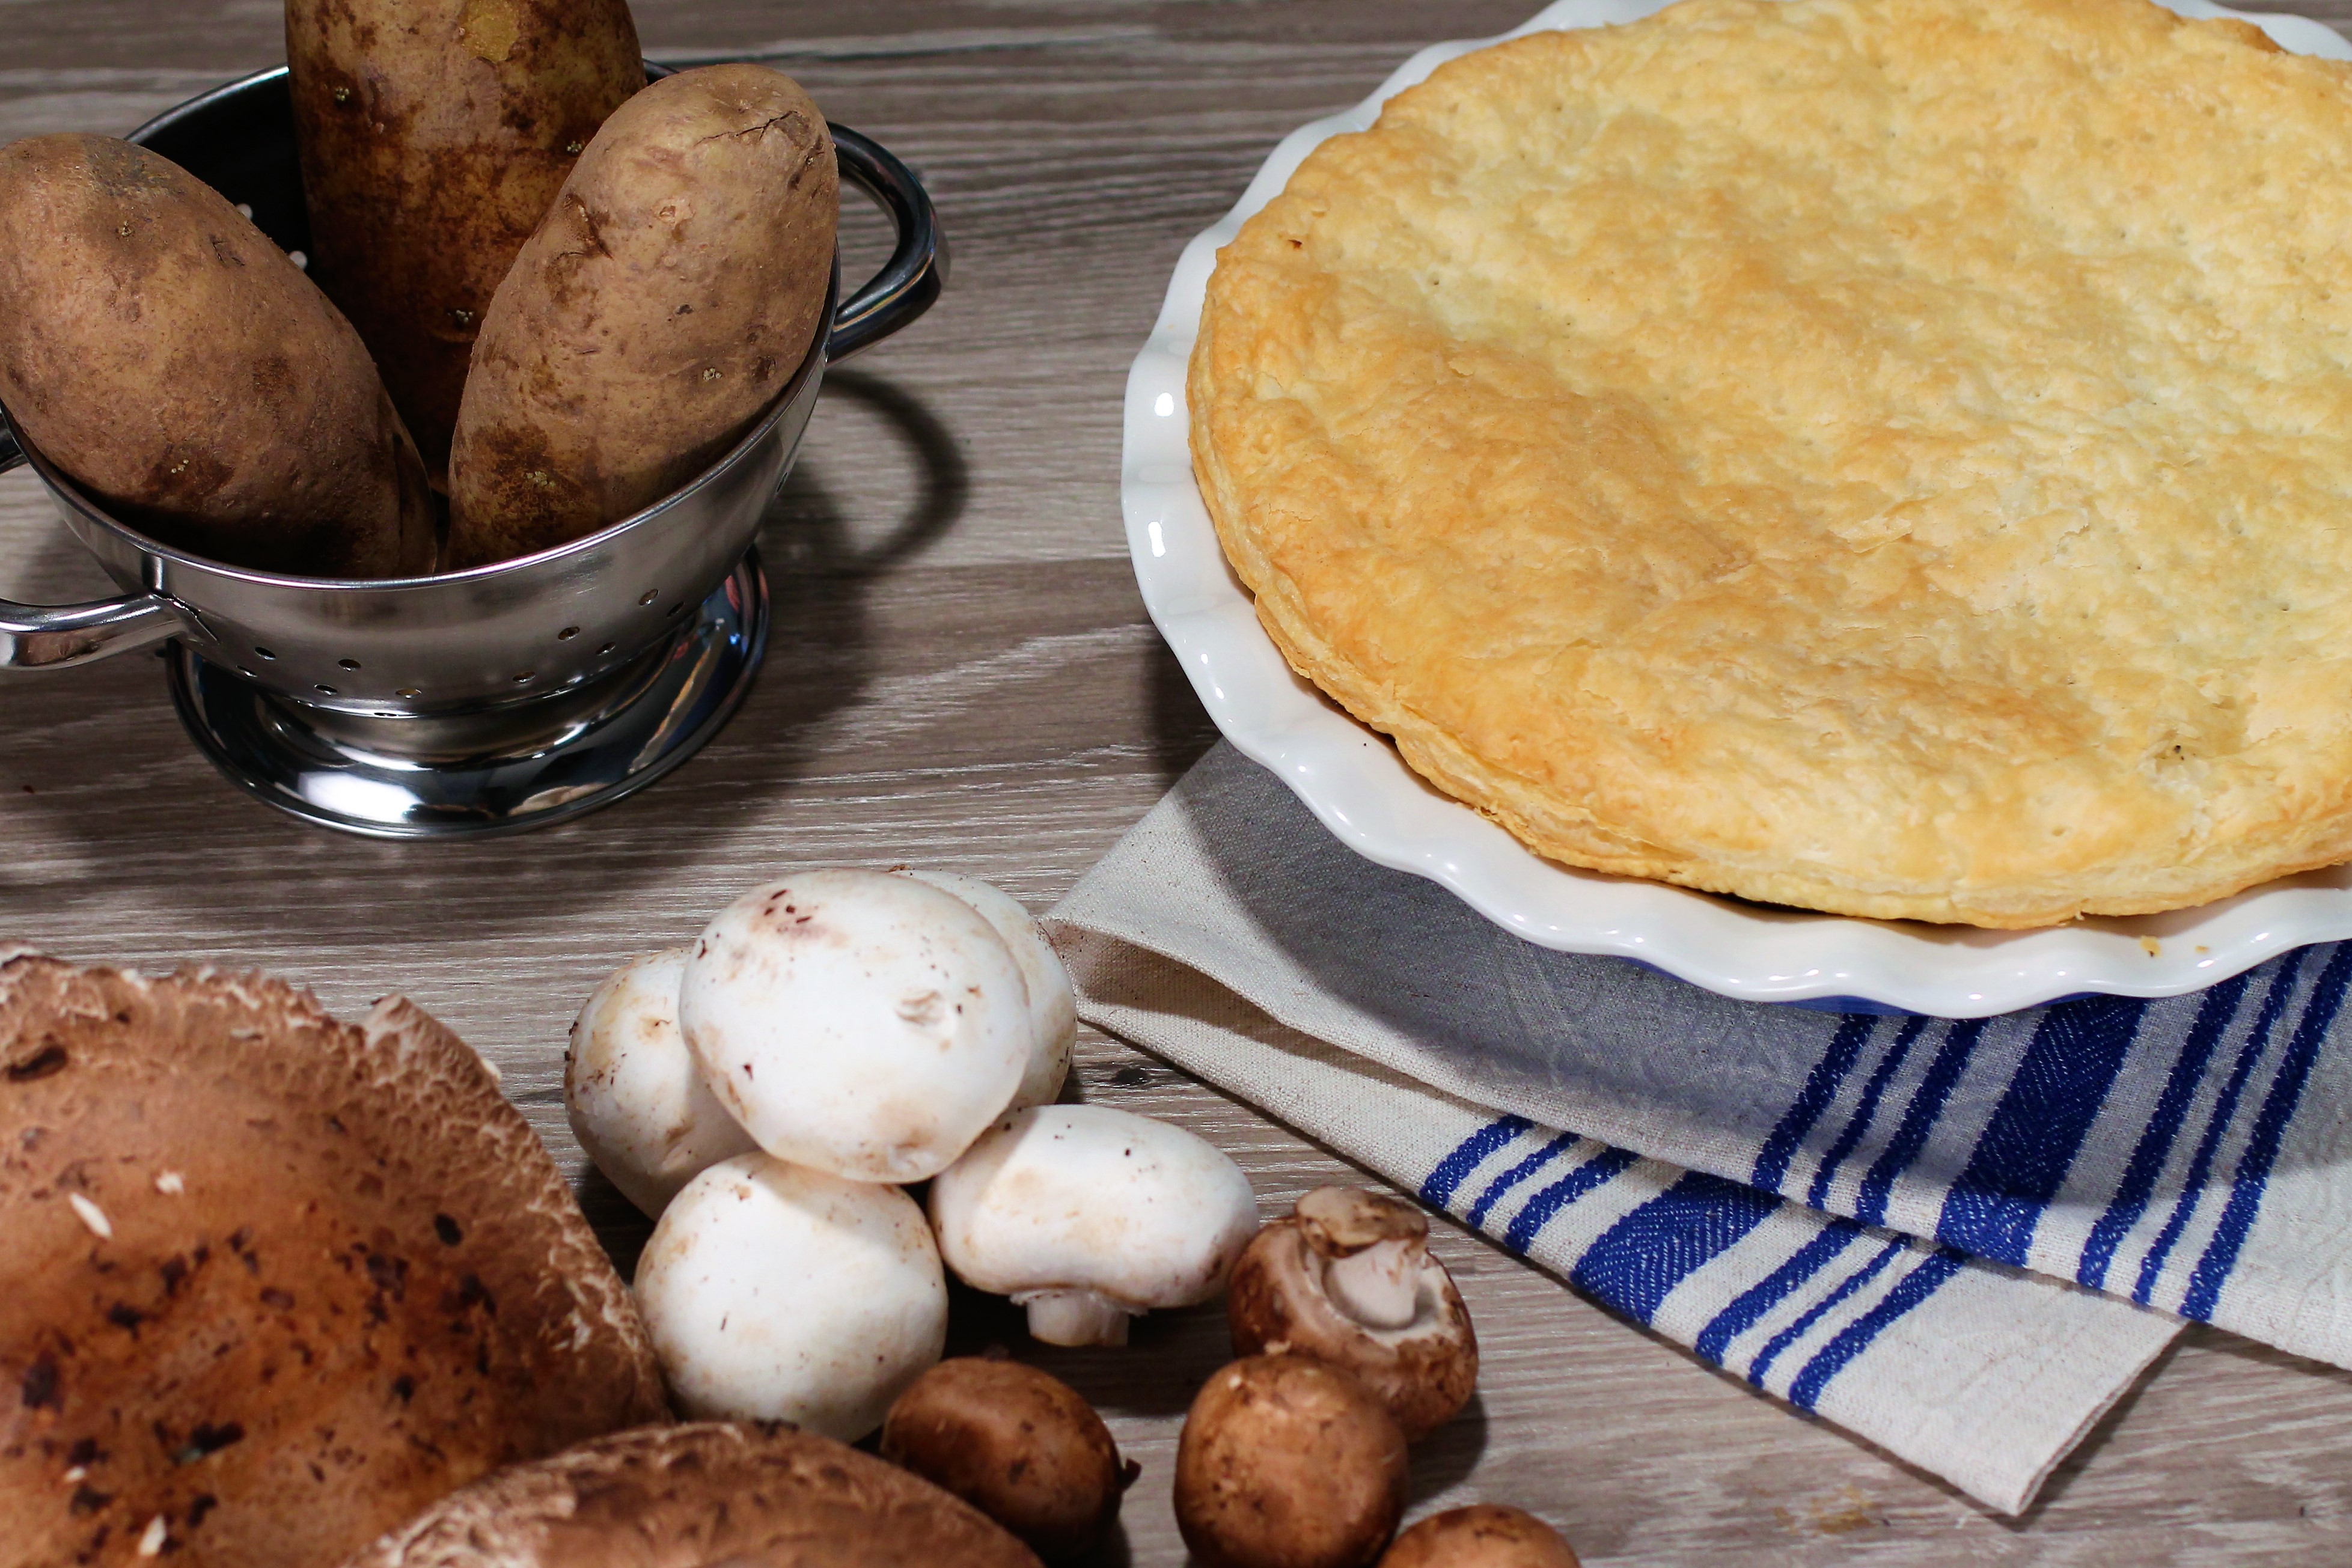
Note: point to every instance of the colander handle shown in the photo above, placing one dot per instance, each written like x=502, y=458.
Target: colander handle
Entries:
x=918, y=268
x=41, y=636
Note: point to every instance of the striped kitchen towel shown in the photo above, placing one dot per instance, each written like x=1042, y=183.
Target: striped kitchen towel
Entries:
x=1961, y=1241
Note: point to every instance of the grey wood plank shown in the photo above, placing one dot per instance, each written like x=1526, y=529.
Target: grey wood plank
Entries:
x=963, y=677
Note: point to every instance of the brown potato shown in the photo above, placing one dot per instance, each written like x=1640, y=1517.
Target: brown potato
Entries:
x=433, y=136
x=159, y=349
x=670, y=293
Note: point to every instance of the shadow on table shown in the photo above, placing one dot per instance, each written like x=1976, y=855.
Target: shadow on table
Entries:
x=1446, y=1456
x=1182, y=729
x=1168, y=1356
x=2200, y=1339
x=98, y=756
x=820, y=646
x=620, y=1225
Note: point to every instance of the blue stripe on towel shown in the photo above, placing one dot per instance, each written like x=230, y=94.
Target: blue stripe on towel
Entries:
x=1814, y=1314
x=2254, y=1173
x=1560, y=1144
x=1822, y=1084
x=1640, y=1260
x=1594, y=1173
x=1749, y=1308
x=1854, y=1338
x=1475, y=1151
x=1817, y=1196
x=1919, y=1119
x=2029, y=1146
x=2215, y=1014
x=2225, y=1109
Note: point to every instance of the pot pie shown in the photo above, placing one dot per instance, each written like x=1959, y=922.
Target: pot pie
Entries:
x=1883, y=456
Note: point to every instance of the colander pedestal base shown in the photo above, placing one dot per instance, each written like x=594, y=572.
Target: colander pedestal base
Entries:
x=521, y=764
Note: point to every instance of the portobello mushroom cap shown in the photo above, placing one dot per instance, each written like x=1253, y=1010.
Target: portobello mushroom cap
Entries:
x=708, y=1495
x=273, y=1281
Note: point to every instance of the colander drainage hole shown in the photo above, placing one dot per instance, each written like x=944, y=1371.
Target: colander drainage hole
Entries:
x=406, y=693
x=568, y=633
x=347, y=663
x=526, y=677
x=263, y=653
x=649, y=595
x=328, y=690
x=605, y=651
x=678, y=610
x=246, y=672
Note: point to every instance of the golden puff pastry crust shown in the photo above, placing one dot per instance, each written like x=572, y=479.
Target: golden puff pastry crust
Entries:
x=1886, y=457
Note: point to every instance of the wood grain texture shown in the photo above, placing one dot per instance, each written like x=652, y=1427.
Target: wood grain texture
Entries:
x=963, y=677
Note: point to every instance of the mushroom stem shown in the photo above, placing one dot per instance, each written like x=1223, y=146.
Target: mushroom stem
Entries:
x=1074, y=1318
x=1380, y=1287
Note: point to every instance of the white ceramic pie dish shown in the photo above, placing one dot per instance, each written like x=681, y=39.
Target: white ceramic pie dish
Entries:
x=1354, y=781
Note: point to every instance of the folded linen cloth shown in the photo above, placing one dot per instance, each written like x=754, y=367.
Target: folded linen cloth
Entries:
x=1962, y=1240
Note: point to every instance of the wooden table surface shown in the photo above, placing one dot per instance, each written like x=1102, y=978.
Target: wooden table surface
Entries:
x=962, y=676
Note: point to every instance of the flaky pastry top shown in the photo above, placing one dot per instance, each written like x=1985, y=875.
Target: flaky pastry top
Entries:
x=1886, y=457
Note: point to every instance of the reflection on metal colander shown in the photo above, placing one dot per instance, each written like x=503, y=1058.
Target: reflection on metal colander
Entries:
x=505, y=696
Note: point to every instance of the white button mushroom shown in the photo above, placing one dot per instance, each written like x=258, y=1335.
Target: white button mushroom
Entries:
x=1052, y=1007
x=635, y=1094
x=1088, y=1215
x=861, y=1023
x=776, y=1293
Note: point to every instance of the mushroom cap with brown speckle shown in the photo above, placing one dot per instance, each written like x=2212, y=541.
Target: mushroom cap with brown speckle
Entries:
x=708, y=1495
x=273, y=1279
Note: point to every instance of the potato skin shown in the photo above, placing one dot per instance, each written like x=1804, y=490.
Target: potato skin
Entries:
x=434, y=135
x=667, y=297
x=163, y=351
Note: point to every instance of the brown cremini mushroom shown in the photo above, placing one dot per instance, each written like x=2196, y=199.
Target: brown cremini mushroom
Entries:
x=708, y=1495
x=1018, y=1445
x=274, y=1282
x=1349, y=1278
x=1287, y=1463
x=1484, y=1535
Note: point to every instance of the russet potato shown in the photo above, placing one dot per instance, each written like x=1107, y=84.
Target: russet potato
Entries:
x=671, y=291
x=160, y=349
x=433, y=134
